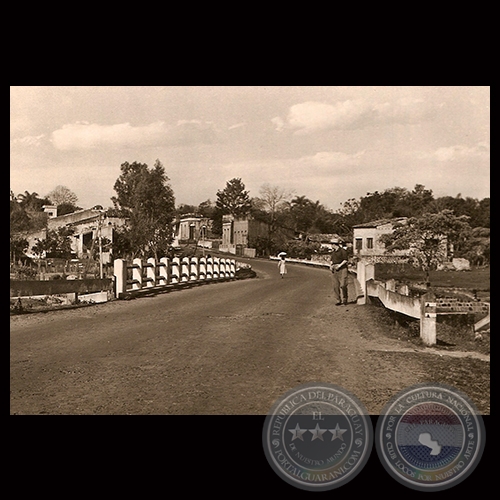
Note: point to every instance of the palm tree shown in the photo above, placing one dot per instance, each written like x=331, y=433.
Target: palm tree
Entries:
x=28, y=200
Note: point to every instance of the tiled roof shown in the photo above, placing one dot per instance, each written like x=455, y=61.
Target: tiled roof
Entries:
x=381, y=222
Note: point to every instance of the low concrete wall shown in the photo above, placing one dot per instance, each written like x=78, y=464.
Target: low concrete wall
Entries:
x=97, y=297
x=231, y=250
x=249, y=252
x=29, y=288
x=393, y=300
x=303, y=261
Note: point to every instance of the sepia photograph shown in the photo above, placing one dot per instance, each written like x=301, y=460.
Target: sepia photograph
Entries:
x=209, y=250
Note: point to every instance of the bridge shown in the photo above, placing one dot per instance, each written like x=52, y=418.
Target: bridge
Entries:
x=228, y=348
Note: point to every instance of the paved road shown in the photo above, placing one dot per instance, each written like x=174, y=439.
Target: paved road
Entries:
x=224, y=348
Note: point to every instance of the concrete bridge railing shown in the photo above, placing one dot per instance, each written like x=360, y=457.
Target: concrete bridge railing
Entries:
x=426, y=308
x=167, y=273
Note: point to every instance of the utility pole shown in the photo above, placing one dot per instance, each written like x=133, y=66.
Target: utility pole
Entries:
x=100, y=246
x=98, y=235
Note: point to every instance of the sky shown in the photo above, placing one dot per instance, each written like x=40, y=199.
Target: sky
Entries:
x=329, y=144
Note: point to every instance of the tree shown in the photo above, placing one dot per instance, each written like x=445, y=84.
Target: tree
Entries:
x=304, y=213
x=273, y=198
x=206, y=209
x=183, y=209
x=66, y=208
x=18, y=245
x=417, y=202
x=482, y=218
x=62, y=194
x=270, y=208
x=476, y=248
x=122, y=243
x=426, y=238
x=147, y=200
x=57, y=243
x=31, y=202
x=478, y=211
x=19, y=219
x=233, y=199
x=26, y=213
x=211, y=211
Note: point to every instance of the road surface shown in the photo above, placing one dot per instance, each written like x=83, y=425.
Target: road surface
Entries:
x=224, y=348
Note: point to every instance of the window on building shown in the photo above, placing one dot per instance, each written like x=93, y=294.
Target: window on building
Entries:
x=369, y=242
x=359, y=244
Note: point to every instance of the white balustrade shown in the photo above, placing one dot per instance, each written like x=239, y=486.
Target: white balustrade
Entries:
x=120, y=274
x=176, y=271
x=163, y=270
x=210, y=268
x=184, y=269
x=137, y=274
x=193, y=271
x=151, y=272
x=215, y=272
x=169, y=272
x=202, y=269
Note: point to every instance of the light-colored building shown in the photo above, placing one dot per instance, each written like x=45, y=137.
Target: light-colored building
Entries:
x=237, y=233
x=366, y=237
x=50, y=210
x=88, y=225
x=193, y=228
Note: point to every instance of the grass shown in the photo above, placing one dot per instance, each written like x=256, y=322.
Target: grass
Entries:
x=475, y=279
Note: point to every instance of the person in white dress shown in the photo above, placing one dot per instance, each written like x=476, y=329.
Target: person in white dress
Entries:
x=282, y=266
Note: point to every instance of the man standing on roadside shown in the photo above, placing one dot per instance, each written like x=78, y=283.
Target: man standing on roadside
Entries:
x=338, y=266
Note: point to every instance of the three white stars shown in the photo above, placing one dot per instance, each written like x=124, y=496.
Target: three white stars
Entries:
x=317, y=433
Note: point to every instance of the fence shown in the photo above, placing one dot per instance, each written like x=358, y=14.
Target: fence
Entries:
x=169, y=273
x=61, y=291
x=55, y=268
x=426, y=308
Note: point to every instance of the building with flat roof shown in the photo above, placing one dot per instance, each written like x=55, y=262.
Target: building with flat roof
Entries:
x=238, y=233
x=366, y=237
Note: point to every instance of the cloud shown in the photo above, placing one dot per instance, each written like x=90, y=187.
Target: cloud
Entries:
x=322, y=167
x=457, y=152
x=29, y=140
x=312, y=116
x=332, y=161
x=84, y=135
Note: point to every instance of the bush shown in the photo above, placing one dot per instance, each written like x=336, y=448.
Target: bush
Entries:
x=24, y=273
x=301, y=250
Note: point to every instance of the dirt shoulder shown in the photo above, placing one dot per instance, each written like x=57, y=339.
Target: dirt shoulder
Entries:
x=459, y=359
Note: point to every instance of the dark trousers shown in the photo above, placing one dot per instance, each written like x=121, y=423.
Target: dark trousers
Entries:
x=340, y=285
